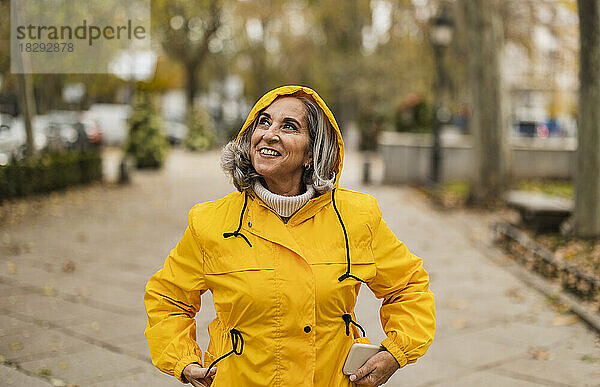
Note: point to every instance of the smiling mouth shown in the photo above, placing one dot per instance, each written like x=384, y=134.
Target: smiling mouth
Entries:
x=269, y=152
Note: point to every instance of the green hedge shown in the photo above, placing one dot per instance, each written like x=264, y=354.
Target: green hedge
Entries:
x=49, y=172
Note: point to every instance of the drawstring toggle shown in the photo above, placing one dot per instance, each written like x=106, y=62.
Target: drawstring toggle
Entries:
x=348, y=320
x=236, y=338
x=237, y=232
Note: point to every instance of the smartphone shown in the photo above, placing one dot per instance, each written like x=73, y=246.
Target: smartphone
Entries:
x=358, y=355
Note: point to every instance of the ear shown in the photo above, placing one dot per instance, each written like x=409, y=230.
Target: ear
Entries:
x=307, y=160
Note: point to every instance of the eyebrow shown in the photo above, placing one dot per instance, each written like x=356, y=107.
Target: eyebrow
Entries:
x=289, y=119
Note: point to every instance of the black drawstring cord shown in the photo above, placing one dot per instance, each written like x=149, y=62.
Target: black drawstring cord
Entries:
x=237, y=232
x=347, y=273
x=236, y=337
x=348, y=319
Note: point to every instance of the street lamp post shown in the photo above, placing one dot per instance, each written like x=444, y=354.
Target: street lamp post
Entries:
x=442, y=30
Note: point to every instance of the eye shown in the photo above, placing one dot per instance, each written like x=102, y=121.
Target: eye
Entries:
x=288, y=126
x=263, y=121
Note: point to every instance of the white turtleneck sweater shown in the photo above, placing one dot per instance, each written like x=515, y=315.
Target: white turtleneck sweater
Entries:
x=284, y=206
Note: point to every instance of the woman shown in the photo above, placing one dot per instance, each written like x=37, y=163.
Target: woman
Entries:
x=284, y=258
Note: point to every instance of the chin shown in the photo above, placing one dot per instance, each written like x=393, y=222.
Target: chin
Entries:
x=261, y=170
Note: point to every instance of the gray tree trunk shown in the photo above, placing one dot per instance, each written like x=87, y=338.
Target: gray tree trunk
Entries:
x=587, y=193
x=27, y=110
x=25, y=81
x=489, y=123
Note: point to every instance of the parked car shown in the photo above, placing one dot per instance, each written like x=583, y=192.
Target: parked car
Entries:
x=13, y=137
x=7, y=140
x=111, y=120
x=92, y=128
x=175, y=131
x=550, y=128
x=74, y=129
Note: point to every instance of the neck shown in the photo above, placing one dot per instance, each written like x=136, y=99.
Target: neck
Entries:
x=284, y=206
x=291, y=187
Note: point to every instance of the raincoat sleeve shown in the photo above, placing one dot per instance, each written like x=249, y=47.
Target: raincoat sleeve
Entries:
x=172, y=299
x=408, y=309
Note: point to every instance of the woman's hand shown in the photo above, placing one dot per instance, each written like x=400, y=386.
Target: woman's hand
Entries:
x=377, y=370
x=194, y=374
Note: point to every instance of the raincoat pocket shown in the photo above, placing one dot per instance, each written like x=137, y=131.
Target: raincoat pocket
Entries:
x=231, y=266
x=235, y=261
x=362, y=264
x=363, y=270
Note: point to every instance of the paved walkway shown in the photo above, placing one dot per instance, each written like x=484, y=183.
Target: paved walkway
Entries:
x=73, y=268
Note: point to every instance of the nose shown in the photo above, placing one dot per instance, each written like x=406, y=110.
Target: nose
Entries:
x=270, y=134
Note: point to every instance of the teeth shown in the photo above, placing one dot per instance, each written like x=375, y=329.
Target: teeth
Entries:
x=269, y=152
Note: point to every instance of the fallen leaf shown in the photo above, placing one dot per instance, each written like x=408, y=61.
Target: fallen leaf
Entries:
x=565, y=319
x=44, y=371
x=516, y=295
x=11, y=267
x=68, y=266
x=2, y=359
x=539, y=354
x=63, y=365
x=58, y=382
x=48, y=291
x=590, y=359
x=16, y=346
x=557, y=305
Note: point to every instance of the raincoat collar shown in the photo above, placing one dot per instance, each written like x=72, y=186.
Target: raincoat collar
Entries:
x=307, y=211
x=269, y=97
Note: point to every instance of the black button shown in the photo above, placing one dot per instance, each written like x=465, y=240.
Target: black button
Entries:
x=307, y=329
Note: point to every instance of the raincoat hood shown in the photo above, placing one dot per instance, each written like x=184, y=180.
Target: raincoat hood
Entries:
x=269, y=97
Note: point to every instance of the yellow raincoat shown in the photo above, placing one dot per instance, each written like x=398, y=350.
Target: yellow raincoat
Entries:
x=280, y=289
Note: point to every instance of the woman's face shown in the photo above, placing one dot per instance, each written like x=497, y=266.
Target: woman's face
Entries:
x=278, y=146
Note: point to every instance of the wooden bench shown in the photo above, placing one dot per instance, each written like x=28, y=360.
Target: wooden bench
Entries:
x=540, y=211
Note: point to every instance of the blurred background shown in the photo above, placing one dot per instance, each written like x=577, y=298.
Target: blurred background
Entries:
x=471, y=111
x=400, y=73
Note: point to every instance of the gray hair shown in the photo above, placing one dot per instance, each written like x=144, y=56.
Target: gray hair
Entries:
x=236, y=162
